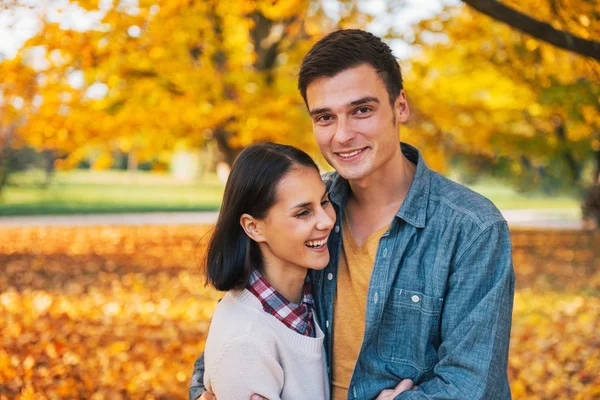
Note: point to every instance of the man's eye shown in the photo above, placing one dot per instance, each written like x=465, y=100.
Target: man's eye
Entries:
x=362, y=110
x=324, y=118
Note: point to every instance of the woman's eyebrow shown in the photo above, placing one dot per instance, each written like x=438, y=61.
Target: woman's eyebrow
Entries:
x=308, y=203
x=305, y=204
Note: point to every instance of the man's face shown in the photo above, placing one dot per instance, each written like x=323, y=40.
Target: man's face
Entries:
x=354, y=124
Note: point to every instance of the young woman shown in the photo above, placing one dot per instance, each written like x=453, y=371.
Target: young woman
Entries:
x=272, y=228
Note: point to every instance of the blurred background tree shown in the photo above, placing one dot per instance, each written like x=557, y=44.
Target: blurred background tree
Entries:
x=508, y=103
x=143, y=78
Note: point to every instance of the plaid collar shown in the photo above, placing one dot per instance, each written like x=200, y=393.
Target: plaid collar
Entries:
x=298, y=317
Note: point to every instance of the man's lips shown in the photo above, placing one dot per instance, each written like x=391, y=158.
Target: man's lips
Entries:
x=348, y=154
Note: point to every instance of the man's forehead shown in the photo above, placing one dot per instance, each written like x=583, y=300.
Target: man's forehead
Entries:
x=350, y=85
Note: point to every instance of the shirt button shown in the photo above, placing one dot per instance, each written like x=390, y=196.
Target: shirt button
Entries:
x=337, y=229
x=385, y=252
x=330, y=276
x=375, y=298
x=415, y=298
x=327, y=323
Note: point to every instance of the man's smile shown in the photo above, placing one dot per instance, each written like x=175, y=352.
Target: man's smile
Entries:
x=350, y=155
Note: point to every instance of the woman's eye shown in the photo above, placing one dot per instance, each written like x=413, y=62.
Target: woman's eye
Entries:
x=324, y=203
x=302, y=214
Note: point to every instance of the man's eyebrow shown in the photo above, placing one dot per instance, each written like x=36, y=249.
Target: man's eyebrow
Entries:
x=364, y=100
x=308, y=203
x=319, y=111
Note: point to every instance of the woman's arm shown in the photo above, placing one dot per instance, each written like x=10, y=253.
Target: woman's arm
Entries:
x=244, y=367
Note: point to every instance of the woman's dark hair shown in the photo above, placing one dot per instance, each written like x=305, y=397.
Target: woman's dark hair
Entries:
x=349, y=48
x=251, y=188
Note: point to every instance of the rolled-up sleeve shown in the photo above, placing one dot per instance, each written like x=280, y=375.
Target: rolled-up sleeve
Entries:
x=475, y=323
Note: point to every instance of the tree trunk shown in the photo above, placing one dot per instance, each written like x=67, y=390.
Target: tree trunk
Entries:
x=132, y=162
x=266, y=58
x=570, y=159
x=49, y=157
x=220, y=135
x=4, y=171
x=6, y=136
x=597, y=172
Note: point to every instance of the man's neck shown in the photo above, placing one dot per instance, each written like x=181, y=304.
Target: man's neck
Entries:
x=388, y=185
x=375, y=200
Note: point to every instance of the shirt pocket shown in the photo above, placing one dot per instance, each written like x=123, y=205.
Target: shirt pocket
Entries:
x=409, y=329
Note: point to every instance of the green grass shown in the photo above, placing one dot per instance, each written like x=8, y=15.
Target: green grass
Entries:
x=80, y=191
x=506, y=198
x=108, y=192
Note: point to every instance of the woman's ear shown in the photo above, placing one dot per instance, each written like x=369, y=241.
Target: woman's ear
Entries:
x=252, y=227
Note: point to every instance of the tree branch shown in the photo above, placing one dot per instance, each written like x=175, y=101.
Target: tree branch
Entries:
x=535, y=28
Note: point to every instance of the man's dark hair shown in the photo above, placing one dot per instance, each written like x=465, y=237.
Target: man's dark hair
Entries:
x=251, y=188
x=349, y=48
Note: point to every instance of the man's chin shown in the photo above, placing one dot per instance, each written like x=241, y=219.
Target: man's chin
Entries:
x=351, y=174
x=351, y=171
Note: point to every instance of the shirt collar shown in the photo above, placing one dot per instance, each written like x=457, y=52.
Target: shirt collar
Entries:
x=414, y=207
x=298, y=317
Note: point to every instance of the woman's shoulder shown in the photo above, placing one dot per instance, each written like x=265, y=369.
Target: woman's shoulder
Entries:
x=238, y=322
x=238, y=303
x=239, y=313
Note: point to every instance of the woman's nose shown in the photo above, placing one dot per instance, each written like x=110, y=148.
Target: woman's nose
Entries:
x=325, y=221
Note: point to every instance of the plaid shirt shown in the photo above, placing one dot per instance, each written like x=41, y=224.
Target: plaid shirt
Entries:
x=298, y=317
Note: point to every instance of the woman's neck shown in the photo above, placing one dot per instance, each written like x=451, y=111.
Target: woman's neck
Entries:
x=287, y=280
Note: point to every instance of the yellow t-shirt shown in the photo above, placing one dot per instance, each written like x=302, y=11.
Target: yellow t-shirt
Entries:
x=354, y=273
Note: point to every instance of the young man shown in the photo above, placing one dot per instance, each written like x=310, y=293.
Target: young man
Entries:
x=420, y=284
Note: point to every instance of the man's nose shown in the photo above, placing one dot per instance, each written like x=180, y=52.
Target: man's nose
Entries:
x=344, y=132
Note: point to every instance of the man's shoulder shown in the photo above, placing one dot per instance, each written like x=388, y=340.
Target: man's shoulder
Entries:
x=457, y=198
x=328, y=178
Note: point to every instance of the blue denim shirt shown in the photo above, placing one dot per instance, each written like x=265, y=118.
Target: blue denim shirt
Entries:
x=440, y=298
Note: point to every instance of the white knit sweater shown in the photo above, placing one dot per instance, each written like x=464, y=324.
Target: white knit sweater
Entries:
x=249, y=351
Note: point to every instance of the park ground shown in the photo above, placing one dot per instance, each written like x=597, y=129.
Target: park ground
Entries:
x=121, y=312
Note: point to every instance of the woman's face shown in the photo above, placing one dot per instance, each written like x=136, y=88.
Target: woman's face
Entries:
x=295, y=230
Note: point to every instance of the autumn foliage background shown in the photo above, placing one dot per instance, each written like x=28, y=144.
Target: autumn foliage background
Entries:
x=121, y=312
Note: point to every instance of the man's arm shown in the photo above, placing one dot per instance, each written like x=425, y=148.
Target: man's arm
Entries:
x=475, y=325
x=197, y=381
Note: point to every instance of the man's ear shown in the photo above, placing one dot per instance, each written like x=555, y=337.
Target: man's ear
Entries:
x=401, y=108
x=252, y=227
